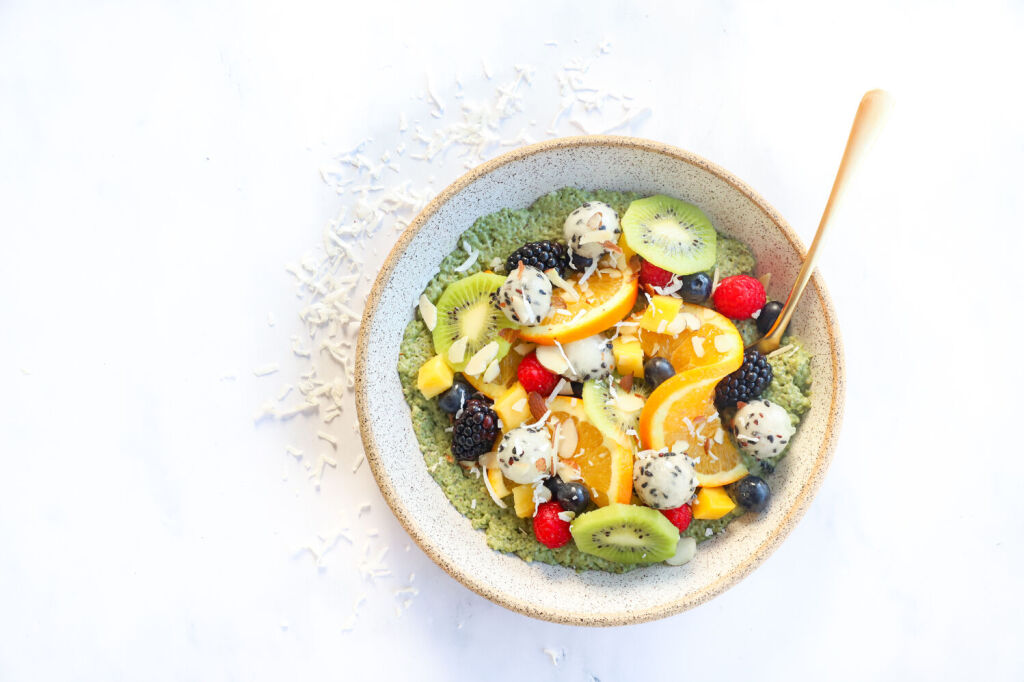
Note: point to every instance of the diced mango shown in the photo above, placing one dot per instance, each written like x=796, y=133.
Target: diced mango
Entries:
x=712, y=503
x=660, y=313
x=435, y=376
x=497, y=482
x=629, y=355
x=522, y=500
x=627, y=250
x=512, y=406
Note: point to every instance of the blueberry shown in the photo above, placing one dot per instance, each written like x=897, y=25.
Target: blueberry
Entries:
x=657, y=370
x=571, y=496
x=578, y=262
x=452, y=400
x=696, y=288
x=751, y=493
x=769, y=313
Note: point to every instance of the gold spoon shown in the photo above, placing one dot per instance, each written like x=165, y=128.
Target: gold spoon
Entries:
x=871, y=114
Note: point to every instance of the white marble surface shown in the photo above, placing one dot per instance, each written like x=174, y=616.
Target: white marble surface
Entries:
x=159, y=165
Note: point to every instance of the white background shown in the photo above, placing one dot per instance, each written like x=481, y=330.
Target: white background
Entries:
x=159, y=164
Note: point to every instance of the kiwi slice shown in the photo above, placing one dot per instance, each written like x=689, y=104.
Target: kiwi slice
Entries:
x=625, y=533
x=672, y=234
x=465, y=310
x=604, y=412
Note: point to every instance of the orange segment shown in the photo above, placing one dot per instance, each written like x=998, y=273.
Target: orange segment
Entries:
x=604, y=299
x=605, y=466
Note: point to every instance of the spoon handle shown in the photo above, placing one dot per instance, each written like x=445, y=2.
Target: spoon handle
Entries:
x=871, y=115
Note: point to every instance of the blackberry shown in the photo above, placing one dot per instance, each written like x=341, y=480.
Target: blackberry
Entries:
x=475, y=431
x=746, y=383
x=541, y=255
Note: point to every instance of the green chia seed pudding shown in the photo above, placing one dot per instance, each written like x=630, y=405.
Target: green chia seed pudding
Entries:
x=494, y=237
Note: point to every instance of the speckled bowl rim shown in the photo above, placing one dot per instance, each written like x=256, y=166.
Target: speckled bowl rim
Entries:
x=773, y=539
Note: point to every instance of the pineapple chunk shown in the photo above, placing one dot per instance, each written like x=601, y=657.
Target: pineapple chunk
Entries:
x=629, y=355
x=435, y=377
x=660, y=313
x=522, y=500
x=712, y=503
x=512, y=406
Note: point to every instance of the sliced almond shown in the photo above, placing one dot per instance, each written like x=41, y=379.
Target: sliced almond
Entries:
x=510, y=335
x=725, y=343
x=567, y=472
x=629, y=402
x=551, y=358
x=634, y=262
x=569, y=439
x=595, y=237
x=698, y=345
x=677, y=325
x=538, y=407
x=612, y=246
x=481, y=359
x=595, y=221
x=457, y=352
x=692, y=321
x=626, y=383
x=524, y=348
x=428, y=311
x=567, y=287
x=492, y=371
x=765, y=279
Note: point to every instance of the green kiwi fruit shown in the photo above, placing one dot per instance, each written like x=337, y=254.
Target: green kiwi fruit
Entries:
x=625, y=533
x=605, y=414
x=465, y=309
x=672, y=234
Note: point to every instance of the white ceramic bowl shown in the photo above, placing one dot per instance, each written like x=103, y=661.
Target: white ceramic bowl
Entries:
x=555, y=593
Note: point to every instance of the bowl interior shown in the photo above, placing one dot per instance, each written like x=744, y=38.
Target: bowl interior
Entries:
x=554, y=593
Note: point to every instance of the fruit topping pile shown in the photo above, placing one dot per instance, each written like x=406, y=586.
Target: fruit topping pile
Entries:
x=601, y=386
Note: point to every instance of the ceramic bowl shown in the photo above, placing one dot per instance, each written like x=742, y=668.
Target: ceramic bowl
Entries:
x=555, y=593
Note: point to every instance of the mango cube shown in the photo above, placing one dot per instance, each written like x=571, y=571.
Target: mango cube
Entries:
x=435, y=377
x=660, y=313
x=522, y=500
x=497, y=482
x=512, y=406
x=629, y=355
x=712, y=503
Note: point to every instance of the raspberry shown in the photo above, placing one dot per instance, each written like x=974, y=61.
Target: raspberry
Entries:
x=535, y=377
x=653, y=275
x=740, y=296
x=550, y=530
x=680, y=516
x=475, y=431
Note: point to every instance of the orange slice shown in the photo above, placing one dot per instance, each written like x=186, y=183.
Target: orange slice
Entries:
x=716, y=343
x=682, y=411
x=506, y=377
x=604, y=299
x=605, y=466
